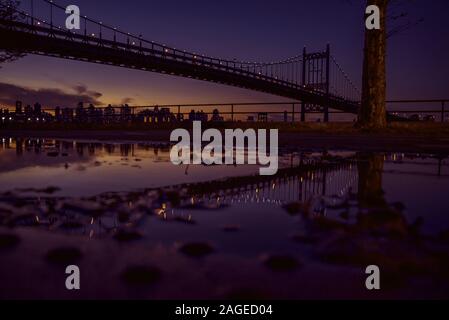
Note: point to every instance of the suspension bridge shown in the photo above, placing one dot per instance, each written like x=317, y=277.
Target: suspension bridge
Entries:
x=315, y=79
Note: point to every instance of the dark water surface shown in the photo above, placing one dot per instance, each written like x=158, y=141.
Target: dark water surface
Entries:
x=82, y=168
x=100, y=190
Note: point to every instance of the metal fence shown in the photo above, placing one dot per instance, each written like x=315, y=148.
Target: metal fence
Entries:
x=427, y=110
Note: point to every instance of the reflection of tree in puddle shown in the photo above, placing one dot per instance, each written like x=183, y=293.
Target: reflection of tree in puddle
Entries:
x=380, y=234
x=369, y=230
x=370, y=169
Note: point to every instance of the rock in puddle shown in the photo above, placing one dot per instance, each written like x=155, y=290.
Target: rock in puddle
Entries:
x=127, y=235
x=8, y=241
x=64, y=256
x=305, y=239
x=197, y=249
x=281, y=263
x=231, y=228
x=141, y=275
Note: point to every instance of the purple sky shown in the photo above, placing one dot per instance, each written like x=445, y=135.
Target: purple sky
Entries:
x=418, y=64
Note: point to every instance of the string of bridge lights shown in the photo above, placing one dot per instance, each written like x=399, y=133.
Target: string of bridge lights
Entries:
x=241, y=64
x=293, y=59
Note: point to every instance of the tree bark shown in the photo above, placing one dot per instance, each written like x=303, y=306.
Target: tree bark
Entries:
x=372, y=113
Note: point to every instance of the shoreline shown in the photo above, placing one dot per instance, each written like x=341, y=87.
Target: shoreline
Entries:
x=420, y=138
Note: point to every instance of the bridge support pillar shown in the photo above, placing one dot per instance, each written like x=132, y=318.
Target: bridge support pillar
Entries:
x=328, y=55
x=303, y=82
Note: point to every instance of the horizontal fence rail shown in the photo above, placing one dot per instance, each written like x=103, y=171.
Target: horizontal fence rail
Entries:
x=246, y=111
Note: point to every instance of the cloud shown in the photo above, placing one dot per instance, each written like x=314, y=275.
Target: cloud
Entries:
x=82, y=89
x=48, y=97
x=126, y=100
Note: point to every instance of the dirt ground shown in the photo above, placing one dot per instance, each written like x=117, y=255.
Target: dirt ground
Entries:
x=400, y=137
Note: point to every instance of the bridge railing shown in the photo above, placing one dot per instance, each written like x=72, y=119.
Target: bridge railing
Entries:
x=289, y=72
x=127, y=41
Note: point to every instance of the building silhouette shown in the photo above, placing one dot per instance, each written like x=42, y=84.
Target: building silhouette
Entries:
x=94, y=115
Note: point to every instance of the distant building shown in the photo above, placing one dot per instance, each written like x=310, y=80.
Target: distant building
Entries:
x=18, y=107
x=91, y=114
x=192, y=115
x=28, y=110
x=80, y=113
x=198, y=116
x=37, y=108
x=67, y=115
x=262, y=117
x=125, y=113
x=58, y=116
x=109, y=114
x=216, y=116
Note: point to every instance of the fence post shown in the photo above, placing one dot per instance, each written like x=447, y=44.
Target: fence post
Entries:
x=293, y=112
x=303, y=111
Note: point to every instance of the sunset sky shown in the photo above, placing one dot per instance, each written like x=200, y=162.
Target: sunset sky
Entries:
x=418, y=64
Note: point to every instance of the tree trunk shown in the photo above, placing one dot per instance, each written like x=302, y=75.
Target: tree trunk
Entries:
x=372, y=113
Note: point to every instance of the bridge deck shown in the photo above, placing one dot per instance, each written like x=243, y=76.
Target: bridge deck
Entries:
x=63, y=44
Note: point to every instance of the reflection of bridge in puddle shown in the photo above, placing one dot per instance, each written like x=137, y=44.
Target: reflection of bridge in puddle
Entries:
x=317, y=180
x=332, y=183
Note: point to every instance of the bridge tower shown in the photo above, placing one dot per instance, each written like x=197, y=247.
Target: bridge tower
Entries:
x=316, y=76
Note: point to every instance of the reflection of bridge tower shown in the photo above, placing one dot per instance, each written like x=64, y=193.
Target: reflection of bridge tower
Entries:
x=338, y=182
